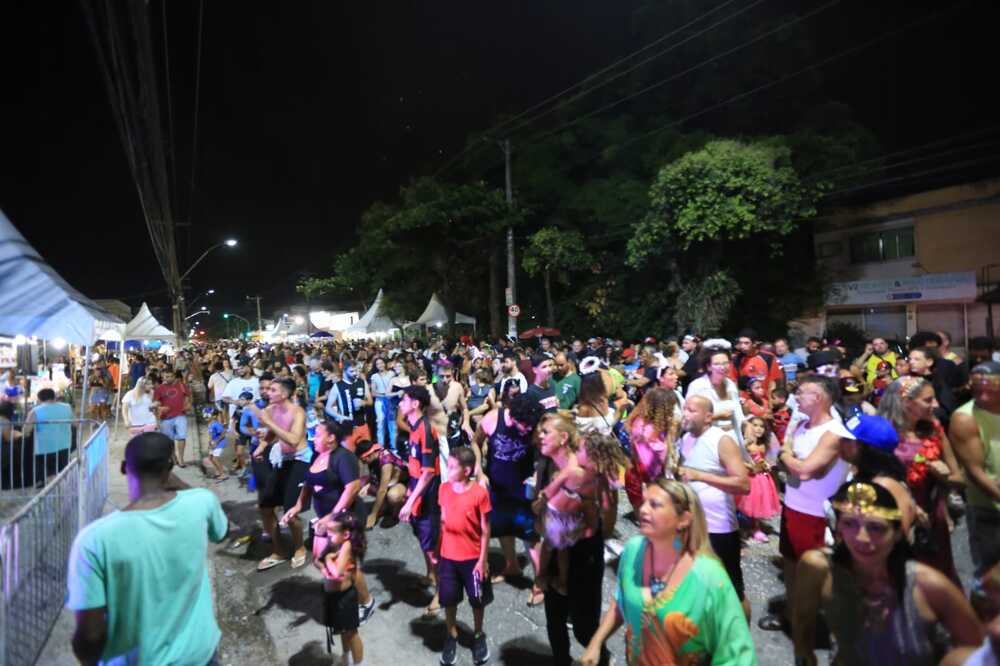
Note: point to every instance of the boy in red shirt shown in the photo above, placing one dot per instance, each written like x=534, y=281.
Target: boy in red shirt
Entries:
x=465, y=537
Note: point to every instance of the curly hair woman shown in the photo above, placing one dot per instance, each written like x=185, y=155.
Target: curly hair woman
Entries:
x=653, y=428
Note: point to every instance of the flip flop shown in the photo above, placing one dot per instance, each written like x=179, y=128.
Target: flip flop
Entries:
x=298, y=561
x=772, y=622
x=431, y=609
x=240, y=542
x=536, y=597
x=270, y=562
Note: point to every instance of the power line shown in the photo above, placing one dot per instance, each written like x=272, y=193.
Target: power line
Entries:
x=816, y=65
x=485, y=135
x=640, y=64
x=678, y=75
x=947, y=167
x=197, y=95
x=170, y=104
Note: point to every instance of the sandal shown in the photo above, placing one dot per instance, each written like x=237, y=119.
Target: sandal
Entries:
x=504, y=575
x=433, y=607
x=270, y=562
x=536, y=597
x=298, y=561
x=771, y=622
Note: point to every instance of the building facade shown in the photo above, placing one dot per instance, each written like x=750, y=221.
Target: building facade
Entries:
x=913, y=263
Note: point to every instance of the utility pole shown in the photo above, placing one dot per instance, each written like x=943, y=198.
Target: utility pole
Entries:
x=511, y=295
x=260, y=326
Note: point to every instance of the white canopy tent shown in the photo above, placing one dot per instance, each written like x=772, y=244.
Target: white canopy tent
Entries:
x=36, y=302
x=372, y=322
x=435, y=314
x=144, y=326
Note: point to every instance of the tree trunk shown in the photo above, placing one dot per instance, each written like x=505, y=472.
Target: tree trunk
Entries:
x=494, y=297
x=548, y=300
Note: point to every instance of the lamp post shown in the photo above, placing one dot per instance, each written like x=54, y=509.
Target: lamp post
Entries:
x=179, y=305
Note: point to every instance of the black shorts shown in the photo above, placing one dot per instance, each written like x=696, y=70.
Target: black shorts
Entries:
x=727, y=548
x=287, y=485
x=340, y=610
x=453, y=576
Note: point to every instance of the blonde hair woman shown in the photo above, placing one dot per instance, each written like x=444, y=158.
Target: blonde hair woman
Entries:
x=674, y=596
x=138, y=408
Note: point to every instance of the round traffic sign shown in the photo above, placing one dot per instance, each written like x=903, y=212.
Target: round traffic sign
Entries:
x=514, y=309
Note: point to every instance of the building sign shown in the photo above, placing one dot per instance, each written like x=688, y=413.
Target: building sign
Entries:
x=930, y=287
x=8, y=353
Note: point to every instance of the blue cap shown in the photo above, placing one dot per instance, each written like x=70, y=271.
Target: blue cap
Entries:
x=875, y=431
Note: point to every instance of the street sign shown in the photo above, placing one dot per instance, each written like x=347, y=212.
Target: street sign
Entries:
x=514, y=310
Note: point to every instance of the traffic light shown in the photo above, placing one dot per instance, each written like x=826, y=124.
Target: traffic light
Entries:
x=225, y=315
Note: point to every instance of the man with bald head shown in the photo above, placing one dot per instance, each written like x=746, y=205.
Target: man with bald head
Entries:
x=565, y=381
x=712, y=462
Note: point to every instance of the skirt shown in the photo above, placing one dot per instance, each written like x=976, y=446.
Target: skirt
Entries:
x=763, y=501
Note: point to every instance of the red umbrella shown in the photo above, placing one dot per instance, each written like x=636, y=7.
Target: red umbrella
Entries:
x=538, y=332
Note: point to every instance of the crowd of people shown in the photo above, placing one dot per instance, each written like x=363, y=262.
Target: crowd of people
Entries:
x=864, y=460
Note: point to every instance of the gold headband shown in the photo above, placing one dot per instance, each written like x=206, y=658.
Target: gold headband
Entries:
x=861, y=500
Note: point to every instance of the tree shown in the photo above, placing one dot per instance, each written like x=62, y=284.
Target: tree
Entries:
x=553, y=250
x=703, y=305
x=728, y=190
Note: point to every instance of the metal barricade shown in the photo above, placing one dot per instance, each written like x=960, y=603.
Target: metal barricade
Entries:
x=34, y=549
x=34, y=451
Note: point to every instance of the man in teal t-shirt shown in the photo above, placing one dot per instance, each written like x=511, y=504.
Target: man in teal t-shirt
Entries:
x=138, y=578
x=565, y=382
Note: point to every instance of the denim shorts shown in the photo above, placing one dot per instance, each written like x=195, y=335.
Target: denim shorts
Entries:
x=175, y=428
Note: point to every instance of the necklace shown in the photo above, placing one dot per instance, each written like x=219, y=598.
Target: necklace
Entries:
x=658, y=584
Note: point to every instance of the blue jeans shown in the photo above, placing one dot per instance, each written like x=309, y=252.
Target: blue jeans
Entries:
x=385, y=421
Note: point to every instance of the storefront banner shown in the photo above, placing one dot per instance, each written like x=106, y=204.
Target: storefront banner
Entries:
x=931, y=287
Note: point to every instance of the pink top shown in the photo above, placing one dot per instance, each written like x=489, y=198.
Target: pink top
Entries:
x=649, y=448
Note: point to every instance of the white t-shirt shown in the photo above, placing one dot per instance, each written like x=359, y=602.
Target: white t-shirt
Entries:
x=217, y=384
x=703, y=387
x=516, y=377
x=808, y=496
x=139, y=412
x=702, y=454
x=238, y=385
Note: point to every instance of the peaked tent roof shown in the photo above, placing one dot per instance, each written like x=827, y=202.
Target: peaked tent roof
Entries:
x=436, y=313
x=145, y=327
x=36, y=302
x=373, y=320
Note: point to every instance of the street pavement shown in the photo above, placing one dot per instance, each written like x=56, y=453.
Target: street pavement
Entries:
x=275, y=617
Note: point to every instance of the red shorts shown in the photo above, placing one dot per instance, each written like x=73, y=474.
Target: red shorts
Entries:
x=800, y=532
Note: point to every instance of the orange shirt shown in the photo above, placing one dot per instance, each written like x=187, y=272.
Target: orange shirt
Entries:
x=461, y=521
x=757, y=366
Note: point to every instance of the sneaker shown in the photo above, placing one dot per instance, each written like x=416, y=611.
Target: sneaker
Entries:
x=365, y=612
x=480, y=650
x=450, y=654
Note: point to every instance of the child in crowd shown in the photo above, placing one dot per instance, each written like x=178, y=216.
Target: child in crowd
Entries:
x=243, y=440
x=217, y=443
x=762, y=502
x=343, y=554
x=755, y=402
x=465, y=537
x=883, y=377
x=780, y=413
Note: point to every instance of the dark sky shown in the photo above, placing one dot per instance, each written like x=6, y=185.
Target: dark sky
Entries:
x=309, y=111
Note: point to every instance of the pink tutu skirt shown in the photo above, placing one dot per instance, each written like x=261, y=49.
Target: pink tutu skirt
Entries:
x=763, y=501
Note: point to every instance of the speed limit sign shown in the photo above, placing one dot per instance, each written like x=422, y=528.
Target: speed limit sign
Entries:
x=514, y=310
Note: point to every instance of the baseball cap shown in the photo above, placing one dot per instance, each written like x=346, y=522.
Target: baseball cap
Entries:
x=849, y=385
x=821, y=358
x=986, y=368
x=628, y=353
x=649, y=341
x=875, y=431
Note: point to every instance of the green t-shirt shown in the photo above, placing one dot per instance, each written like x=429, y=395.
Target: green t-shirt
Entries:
x=566, y=390
x=698, y=621
x=148, y=568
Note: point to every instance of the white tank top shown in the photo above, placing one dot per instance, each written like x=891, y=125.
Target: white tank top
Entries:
x=702, y=454
x=808, y=496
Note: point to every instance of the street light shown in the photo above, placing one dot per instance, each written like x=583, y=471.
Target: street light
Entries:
x=198, y=313
x=230, y=242
x=227, y=315
x=201, y=295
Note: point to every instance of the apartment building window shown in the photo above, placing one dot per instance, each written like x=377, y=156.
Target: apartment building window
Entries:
x=885, y=245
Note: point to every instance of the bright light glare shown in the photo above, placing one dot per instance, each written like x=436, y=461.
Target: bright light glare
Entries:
x=58, y=343
x=210, y=291
x=439, y=324
x=299, y=321
x=204, y=307
x=231, y=242
x=20, y=340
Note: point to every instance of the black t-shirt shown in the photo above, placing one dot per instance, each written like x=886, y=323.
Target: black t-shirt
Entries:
x=342, y=469
x=691, y=368
x=546, y=397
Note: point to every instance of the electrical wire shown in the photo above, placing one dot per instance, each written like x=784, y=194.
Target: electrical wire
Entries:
x=197, y=95
x=681, y=74
x=485, y=136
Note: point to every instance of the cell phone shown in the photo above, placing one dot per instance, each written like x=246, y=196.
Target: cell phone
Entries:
x=477, y=588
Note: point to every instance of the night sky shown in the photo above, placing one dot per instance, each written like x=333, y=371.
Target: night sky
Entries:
x=310, y=111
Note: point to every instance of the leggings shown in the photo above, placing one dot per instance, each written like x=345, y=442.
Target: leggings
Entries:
x=385, y=421
x=582, y=605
